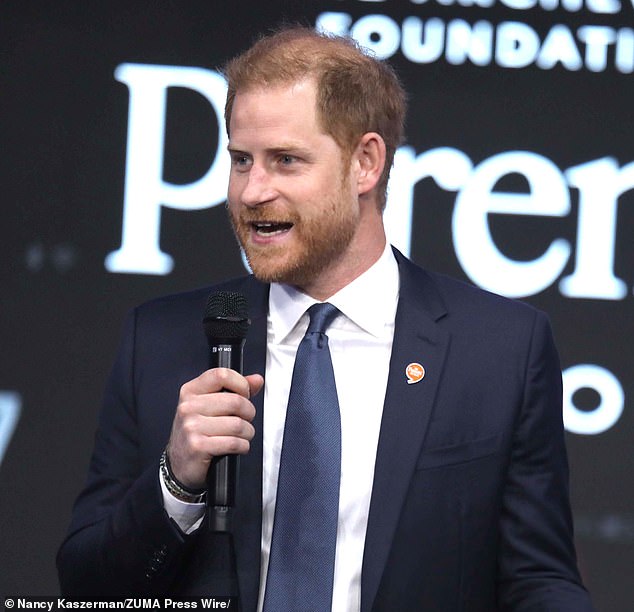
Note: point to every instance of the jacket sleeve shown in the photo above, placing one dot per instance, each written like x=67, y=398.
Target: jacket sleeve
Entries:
x=537, y=564
x=120, y=541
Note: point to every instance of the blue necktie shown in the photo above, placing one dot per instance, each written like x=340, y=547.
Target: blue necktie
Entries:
x=302, y=559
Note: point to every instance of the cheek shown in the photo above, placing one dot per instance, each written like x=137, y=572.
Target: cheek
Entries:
x=316, y=192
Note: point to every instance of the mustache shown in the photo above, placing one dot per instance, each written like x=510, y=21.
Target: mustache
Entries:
x=264, y=215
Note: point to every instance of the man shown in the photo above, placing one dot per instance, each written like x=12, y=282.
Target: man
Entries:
x=452, y=472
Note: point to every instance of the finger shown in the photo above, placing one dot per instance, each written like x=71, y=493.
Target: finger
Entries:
x=217, y=379
x=201, y=429
x=197, y=438
x=221, y=436
x=229, y=446
x=215, y=405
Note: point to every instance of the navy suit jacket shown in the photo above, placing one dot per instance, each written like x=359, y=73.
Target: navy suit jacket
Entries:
x=469, y=507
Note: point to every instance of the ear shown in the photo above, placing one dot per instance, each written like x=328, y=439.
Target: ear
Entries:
x=369, y=157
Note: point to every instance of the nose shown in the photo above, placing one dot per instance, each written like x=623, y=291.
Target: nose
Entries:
x=257, y=187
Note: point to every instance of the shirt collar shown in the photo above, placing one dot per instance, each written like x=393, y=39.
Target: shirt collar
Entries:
x=378, y=286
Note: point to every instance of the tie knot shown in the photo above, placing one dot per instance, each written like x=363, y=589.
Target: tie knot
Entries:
x=321, y=316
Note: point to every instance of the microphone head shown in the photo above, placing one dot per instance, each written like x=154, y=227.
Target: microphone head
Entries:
x=226, y=317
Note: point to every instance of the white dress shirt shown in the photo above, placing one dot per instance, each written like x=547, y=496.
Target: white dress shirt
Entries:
x=360, y=341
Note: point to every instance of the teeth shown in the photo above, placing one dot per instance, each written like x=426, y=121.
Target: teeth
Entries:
x=271, y=229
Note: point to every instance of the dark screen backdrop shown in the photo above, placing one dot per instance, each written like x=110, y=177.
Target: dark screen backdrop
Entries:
x=517, y=175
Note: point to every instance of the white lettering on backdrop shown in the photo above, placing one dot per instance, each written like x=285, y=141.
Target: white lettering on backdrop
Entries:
x=600, y=184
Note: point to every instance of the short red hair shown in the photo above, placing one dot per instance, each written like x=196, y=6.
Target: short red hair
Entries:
x=356, y=93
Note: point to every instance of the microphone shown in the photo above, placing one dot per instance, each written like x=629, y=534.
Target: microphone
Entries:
x=226, y=323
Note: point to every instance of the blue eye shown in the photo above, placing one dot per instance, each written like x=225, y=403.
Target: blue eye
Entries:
x=240, y=160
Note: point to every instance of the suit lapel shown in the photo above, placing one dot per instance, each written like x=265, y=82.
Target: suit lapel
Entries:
x=406, y=413
x=248, y=511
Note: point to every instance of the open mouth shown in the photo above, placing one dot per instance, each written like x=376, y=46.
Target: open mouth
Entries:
x=271, y=228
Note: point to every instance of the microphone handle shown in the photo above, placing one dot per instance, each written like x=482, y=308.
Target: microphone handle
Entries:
x=222, y=477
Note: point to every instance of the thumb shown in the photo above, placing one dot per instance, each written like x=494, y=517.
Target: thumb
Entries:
x=256, y=382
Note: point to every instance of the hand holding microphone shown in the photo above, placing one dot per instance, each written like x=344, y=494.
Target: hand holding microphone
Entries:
x=212, y=426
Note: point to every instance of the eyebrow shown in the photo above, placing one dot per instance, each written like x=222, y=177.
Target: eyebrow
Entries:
x=281, y=148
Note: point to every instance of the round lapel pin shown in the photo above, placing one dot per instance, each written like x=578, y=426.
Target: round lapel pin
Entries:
x=415, y=372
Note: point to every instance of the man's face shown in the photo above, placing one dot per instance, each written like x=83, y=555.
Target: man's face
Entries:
x=290, y=196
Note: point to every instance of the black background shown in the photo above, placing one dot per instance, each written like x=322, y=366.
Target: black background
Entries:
x=63, y=121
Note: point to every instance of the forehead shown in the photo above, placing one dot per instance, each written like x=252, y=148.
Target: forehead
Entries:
x=290, y=107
